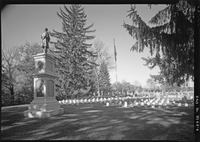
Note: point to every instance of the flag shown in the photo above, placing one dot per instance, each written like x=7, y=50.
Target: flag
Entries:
x=115, y=52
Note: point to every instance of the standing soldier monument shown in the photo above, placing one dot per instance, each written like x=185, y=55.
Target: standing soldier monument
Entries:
x=45, y=40
x=44, y=103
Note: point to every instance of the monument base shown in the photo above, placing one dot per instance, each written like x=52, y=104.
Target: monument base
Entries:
x=43, y=107
x=43, y=114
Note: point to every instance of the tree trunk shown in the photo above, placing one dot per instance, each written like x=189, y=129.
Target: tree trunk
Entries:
x=12, y=94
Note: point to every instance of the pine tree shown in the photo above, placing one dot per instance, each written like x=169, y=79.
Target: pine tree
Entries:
x=73, y=64
x=171, y=40
x=104, y=79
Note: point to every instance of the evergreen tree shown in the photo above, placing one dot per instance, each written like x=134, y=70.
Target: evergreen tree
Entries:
x=104, y=79
x=73, y=64
x=171, y=40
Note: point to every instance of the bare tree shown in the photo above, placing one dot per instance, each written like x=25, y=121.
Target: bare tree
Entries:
x=103, y=56
x=17, y=68
x=9, y=65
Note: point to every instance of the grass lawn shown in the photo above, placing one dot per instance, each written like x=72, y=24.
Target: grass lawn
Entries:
x=98, y=122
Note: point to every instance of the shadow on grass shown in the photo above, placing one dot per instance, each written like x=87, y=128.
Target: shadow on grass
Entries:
x=98, y=122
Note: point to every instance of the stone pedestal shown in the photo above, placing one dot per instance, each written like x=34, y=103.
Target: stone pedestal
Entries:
x=44, y=103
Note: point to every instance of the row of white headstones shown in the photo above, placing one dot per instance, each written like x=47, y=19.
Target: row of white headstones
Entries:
x=155, y=102
x=128, y=102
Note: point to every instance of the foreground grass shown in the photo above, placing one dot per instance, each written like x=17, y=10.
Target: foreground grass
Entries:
x=98, y=122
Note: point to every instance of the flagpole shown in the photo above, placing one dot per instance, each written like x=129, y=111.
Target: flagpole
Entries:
x=116, y=70
x=115, y=54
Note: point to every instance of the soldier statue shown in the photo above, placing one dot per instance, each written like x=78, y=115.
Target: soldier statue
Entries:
x=45, y=40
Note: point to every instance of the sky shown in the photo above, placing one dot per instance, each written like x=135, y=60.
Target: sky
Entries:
x=25, y=23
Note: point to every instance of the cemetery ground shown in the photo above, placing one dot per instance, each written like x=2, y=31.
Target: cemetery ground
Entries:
x=98, y=122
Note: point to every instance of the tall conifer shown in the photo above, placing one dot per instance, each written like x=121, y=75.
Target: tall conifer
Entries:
x=73, y=63
x=104, y=79
x=171, y=40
